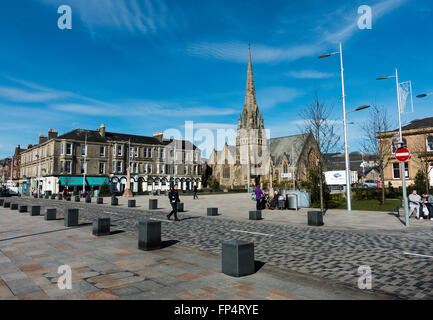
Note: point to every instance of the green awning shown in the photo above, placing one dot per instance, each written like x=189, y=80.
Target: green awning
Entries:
x=97, y=181
x=71, y=181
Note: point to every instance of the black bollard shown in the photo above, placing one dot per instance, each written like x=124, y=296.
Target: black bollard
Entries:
x=212, y=212
x=256, y=215
x=238, y=258
x=35, y=211
x=101, y=227
x=114, y=201
x=59, y=197
x=153, y=203
x=315, y=218
x=71, y=217
x=149, y=235
x=100, y=200
x=2, y=201
x=23, y=208
x=88, y=199
x=6, y=204
x=50, y=214
x=180, y=207
x=77, y=198
x=14, y=206
x=131, y=203
x=53, y=197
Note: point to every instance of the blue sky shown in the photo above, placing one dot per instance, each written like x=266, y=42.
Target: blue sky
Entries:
x=142, y=66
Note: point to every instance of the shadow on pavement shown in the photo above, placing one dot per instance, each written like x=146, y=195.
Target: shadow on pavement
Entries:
x=168, y=243
x=258, y=265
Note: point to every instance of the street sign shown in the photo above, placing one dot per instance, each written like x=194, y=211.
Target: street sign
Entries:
x=402, y=154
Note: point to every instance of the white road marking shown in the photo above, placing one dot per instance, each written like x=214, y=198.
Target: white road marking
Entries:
x=418, y=255
x=257, y=233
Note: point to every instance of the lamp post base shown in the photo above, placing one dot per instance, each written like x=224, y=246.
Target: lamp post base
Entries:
x=128, y=193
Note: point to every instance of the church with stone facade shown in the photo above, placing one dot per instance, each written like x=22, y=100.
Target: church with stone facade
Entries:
x=256, y=157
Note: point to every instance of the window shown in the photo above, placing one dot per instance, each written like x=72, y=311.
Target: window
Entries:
x=102, y=151
x=114, y=150
x=396, y=170
x=62, y=151
x=175, y=169
x=430, y=143
x=135, y=167
x=119, y=150
x=69, y=149
x=145, y=152
x=161, y=168
x=162, y=154
x=83, y=150
x=83, y=167
x=226, y=173
x=406, y=169
x=101, y=168
x=285, y=168
x=149, y=168
x=150, y=152
x=119, y=166
x=185, y=169
x=114, y=166
x=136, y=154
x=68, y=167
x=61, y=167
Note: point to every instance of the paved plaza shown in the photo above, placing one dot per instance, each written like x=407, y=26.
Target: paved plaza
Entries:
x=294, y=261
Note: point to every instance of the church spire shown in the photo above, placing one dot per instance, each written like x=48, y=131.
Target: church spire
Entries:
x=251, y=111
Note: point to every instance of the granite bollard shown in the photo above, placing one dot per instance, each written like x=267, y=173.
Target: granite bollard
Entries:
x=153, y=203
x=23, y=208
x=131, y=203
x=88, y=199
x=68, y=198
x=2, y=201
x=14, y=206
x=114, y=201
x=101, y=227
x=100, y=200
x=212, y=212
x=71, y=217
x=238, y=258
x=35, y=211
x=6, y=204
x=59, y=197
x=256, y=215
x=315, y=218
x=53, y=197
x=149, y=235
x=77, y=198
x=50, y=214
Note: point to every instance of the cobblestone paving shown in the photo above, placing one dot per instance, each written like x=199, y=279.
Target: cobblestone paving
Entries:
x=331, y=254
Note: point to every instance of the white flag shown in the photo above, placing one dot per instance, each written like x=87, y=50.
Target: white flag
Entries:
x=405, y=90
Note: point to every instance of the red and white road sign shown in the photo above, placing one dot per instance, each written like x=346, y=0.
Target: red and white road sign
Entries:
x=402, y=154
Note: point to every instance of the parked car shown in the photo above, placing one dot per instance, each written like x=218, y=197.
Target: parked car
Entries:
x=373, y=184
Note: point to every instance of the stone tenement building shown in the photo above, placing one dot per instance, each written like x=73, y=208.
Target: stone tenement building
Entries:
x=102, y=157
x=5, y=170
x=257, y=156
x=418, y=137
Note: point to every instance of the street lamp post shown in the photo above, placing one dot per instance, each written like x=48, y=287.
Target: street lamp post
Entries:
x=424, y=95
x=403, y=165
x=346, y=144
x=39, y=174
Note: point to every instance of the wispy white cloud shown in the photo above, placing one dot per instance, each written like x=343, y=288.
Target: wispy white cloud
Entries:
x=21, y=95
x=272, y=96
x=309, y=74
x=132, y=16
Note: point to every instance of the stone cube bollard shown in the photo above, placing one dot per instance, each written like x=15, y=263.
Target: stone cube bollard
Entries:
x=131, y=203
x=68, y=198
x=77, y=198
x=153, y=203
x=59, y=197
x=238, y=258
x=14, y=206
x=101, y=227
x=6, y=204
x=88, y=199
x=50, y=214
x=114, y=201
x=256, y=215
x=315, y=218
x=100, y=200
x=2, y=201
x=180, y=207
x=23, y=208
x=35, y=211
x=53, y=197
x=46, y=196
x=212, y=212
x=149, y=235
x=71, y=217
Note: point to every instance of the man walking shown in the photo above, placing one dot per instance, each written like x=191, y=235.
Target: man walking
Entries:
x=414, y=203
x=195, y=192
x=258, y=193
x=173, y=196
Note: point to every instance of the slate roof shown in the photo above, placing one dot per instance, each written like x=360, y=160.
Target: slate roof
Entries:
x=283, y=145
x=94, y=136
x=418, y=124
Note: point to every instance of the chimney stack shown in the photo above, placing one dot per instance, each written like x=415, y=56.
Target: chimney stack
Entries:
x=42, y=139
x=159, y=136
x=52, y=134
x=102, y=130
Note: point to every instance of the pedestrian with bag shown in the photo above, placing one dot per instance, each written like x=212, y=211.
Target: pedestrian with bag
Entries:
x=173, y=197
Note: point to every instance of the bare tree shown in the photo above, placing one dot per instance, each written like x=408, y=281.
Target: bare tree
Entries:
x=378, y=121
x=317, y=120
